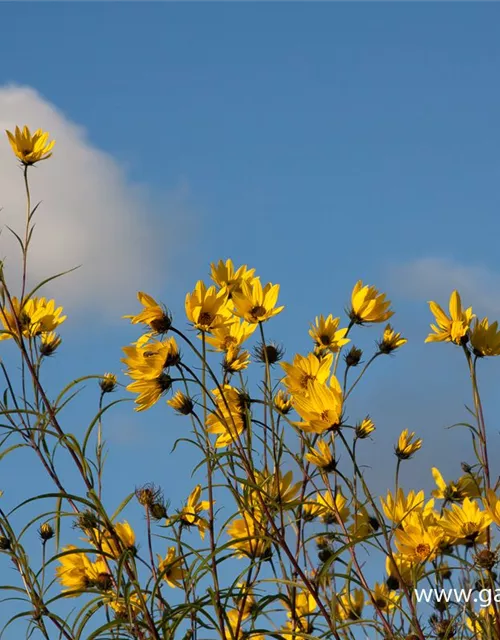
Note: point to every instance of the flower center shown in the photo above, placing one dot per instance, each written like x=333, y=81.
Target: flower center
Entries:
x=258, y=312
x=423, y=550
x=206, y=319
x=306, y=377
x=229, y=341
x=325, y=339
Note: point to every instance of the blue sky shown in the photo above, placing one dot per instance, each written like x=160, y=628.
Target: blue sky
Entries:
x=320, y=143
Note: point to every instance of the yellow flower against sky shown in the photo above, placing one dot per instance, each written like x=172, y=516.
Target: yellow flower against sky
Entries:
x=452, y=328
x=368, y=305
x=30, y=147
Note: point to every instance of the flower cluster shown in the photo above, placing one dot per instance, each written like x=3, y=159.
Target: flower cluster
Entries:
x=280, y=532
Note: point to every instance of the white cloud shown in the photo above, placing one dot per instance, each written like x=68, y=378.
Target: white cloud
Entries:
x=91, y=215
x=435, y=278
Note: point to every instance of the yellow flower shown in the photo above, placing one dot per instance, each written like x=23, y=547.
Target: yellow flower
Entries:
x=226, y=277
x=327, y=335
x=245, y=600
x=77, y=572
x=30, y=148
x=467, y=486
x=190, y=513
x=235, y=361
x=256, y=304
x=306, y=369
x=322, y=457
x=332, y=509
x=466, y=523
x=207, y=309
x=492, y=506
x=391, y=340
x=349, y=606
x=181, y=403
x=171, y=569
x=106, y=543
x=147, y=360
x=418, y=542
x=398, y=508
x=304, y=605
x=282, y=401
x=363, y=525
x=407, y=446
x=383, y=598
x=485, y=338
x=365, y=427
x=35, y=316
x=149, y=390
x=401, y=569
x=454, y=328
x=229, y=420
x=153, y=315
x=126, y=608
x=321, y=410
x=249, y=536
x=49, y=342
x=482, y=625
x=230, y=336
x=368, y=305
x=274, y=489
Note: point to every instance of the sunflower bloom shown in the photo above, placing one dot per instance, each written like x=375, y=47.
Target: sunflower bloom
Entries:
x=275, y=489
x=407, y=445
x=256, y=304
x=30, y=148
x=249, y=537
x=322, y=457
x=492, y=506
x=332, y=509
x=466, y=523
x=126, y=608
x=454, y=328
x=321, y=410
x=208, y=308
x=181, y=403
x=35, y=317
x=349, y=606
x=147, y=360
x=190, y=513
x=282, y=401
x=106, y=543
x=418, y=542
x=485, y=338
x=365, y=428
x=77, y=572
x=363, y=525
x=171, y=569
x=467, y=486
x=303, y=605
x=326, y=334
x=230, y=336
x=149, y=391
x=227, y=277
x=368, y=305
x=229, y=420
x=402, y=571
x=306, y=369
x=49, y=342
x=391, y=340
x=398, y=508
x=383, y=598
x=153, y=314
x=236, y=360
